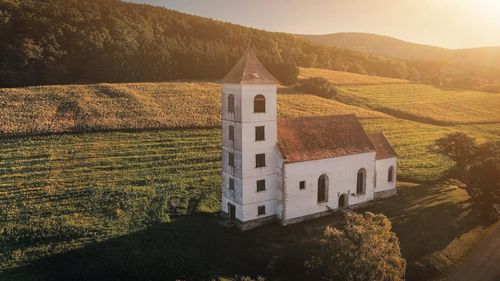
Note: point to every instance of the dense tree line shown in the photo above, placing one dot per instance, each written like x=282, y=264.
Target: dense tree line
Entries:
x=85, y=41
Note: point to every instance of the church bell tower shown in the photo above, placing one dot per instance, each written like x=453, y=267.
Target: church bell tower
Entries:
x=250, y=159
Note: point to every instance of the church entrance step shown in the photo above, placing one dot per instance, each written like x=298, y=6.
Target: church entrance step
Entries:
x=227, y=223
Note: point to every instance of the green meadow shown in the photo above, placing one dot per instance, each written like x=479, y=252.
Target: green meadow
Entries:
x=124, y=179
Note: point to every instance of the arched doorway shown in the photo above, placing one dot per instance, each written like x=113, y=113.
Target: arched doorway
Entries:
x=343, y=201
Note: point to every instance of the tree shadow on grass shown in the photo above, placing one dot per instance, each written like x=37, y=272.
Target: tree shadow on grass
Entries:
x=426, y=219
x=192, y=248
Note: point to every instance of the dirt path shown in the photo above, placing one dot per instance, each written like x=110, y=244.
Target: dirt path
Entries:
x=483, y=264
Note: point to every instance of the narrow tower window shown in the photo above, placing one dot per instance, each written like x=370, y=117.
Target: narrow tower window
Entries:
x=261, y=185
x=231, y=159
x=259, y=104
x=260, y=160
x=231, y=184
x=231, y=132
x=230, y=104
x=260, y=133
x=261, y=210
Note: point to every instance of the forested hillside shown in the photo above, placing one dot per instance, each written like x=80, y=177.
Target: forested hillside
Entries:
x=431, y=62
x=88, y=41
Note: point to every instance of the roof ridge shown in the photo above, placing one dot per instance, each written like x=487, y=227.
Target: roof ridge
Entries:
x=321, y=137
x=247, y=65
x=247, y=54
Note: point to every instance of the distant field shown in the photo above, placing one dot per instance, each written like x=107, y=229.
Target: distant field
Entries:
x=426, y=103
x=348, y=78
x=108, y=106
x=410, y=139
x=177, y=105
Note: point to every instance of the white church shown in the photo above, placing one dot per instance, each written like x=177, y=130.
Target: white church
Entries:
x=290, y=170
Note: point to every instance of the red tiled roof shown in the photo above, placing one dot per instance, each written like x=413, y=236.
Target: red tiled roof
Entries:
x=314, y=138
x=382, y=146
x=249, y=70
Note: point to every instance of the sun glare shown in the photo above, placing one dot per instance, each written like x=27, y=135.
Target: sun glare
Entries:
x=485, y=8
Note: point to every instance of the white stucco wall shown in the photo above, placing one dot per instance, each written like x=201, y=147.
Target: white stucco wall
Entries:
x=342, y=178
x=382, y=167
x=245, y=196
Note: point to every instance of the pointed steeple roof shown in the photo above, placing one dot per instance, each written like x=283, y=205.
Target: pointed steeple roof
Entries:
x=249, y=70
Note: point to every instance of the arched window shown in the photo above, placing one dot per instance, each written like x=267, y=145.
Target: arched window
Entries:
x=390, y=174
x=259, y=104
x=230, y=104
x=361, y=182
x=322, y=189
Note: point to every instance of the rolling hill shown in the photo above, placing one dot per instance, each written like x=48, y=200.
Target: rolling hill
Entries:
x=406, y=112
x=394, y=48
x=92, y=41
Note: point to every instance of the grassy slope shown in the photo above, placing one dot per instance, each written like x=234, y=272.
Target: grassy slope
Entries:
x=108, y=106
x=348, y=78
x=69, y=190
x=418, y=102
x=426, y=103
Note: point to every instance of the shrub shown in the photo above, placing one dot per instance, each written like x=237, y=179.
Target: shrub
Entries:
x=318, y=86
x=286, y=73
x=492, y=88
x=458, y=146
x=365, y=248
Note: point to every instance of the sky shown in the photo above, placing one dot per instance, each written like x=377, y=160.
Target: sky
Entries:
x=444, y=23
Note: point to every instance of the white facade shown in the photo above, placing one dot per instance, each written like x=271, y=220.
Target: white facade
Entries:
x=341, y=173
x=282, y=197
x=245, y=198
x=259, y=184
x=383, y=181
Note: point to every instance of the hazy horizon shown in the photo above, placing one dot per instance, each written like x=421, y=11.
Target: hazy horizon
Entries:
x=454, y=24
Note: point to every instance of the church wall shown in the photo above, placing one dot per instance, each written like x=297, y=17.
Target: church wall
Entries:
x=250, y=193
x=382, y=167
x=250, y=211
x=234, y=90
x=245, y=148
x=235, y=144
x=342, y=178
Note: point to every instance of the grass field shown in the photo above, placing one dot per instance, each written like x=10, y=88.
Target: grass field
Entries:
x=195, y=247
x=426, y=103
x=348, y=78
x=60, y=191
x=76, y=108
x=418, y=102
x=117, y=201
